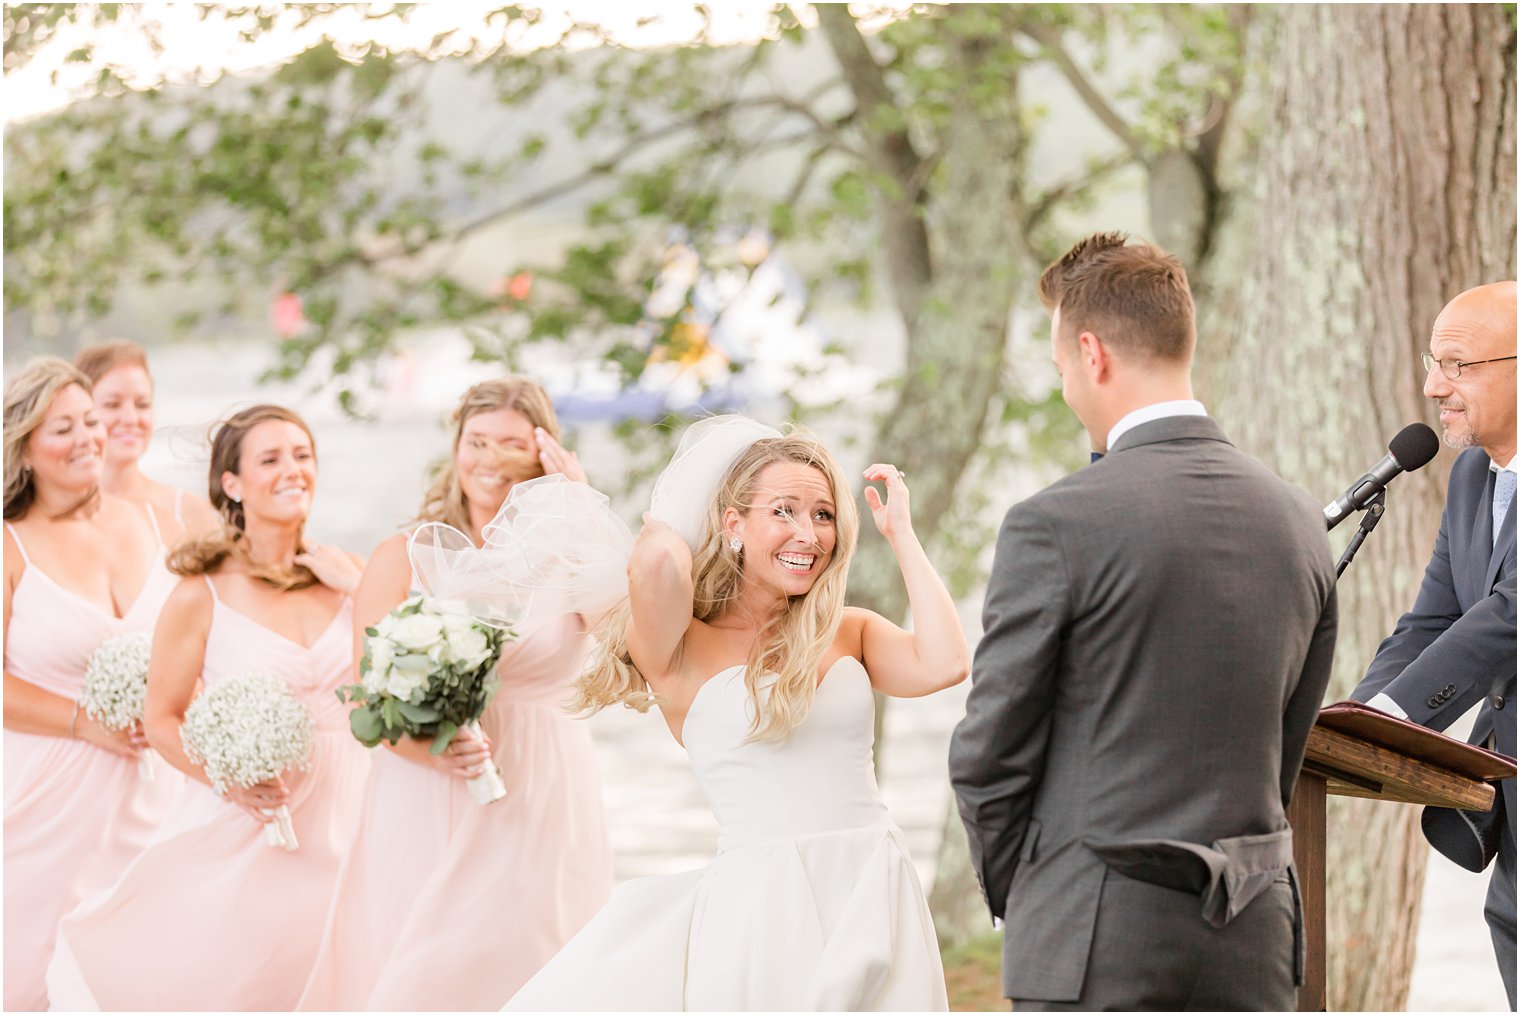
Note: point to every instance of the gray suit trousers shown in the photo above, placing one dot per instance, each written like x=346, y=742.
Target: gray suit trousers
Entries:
x=1151, y=952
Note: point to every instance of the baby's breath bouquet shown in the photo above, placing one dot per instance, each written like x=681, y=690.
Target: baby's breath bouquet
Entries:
x=428, y=669
x=245, y=730
x=116, y=686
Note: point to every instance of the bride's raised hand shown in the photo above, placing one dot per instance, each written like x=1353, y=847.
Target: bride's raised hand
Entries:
x=555, y=459
x=892, y=516
x=652, y=529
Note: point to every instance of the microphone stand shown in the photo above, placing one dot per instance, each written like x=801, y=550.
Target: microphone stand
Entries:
x=1373, y=515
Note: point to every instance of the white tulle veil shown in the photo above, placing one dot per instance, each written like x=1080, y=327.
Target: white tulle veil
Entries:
x=557, y=547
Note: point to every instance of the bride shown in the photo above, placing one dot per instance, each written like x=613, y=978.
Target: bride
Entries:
x=730, y=617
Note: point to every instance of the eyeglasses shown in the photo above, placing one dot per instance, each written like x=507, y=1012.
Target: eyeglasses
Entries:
x=1450, y=368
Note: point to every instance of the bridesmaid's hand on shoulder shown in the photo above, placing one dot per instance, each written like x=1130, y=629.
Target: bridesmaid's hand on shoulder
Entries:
x=335, y=568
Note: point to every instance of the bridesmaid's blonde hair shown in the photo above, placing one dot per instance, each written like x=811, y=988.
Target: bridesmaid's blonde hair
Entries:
x=205, y=554
x=444, y=500
x=28, y=397
x=792, y=646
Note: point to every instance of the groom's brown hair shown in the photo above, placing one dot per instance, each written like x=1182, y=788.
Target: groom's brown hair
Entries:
x=1133, y=296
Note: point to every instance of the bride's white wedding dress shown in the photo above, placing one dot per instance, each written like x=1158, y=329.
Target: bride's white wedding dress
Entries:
x=812, y=902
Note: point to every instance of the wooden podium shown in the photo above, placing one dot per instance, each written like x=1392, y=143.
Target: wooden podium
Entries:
x=1357, y=751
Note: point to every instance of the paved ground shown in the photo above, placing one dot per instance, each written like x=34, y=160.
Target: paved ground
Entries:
x=660, y=825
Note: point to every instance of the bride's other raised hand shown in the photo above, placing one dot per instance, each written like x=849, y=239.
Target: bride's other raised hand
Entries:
x=556, y=459
x=934, y=655
x=892, y=516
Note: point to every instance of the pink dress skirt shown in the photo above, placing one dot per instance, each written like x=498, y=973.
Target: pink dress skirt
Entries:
x=75, y=815
x=209, y=916
x=445, y=904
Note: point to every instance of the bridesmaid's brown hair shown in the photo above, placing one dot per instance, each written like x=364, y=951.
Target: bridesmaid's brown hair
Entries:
x=204, y=555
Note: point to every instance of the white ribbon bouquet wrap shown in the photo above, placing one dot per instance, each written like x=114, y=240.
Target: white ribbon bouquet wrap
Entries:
x=246, y=730
x=557, y=547
x=116, y=687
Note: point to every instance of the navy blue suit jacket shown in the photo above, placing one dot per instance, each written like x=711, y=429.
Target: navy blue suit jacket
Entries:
x=1456, y=647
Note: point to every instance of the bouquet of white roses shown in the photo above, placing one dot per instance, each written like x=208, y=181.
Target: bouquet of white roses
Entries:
x=428, y=670
x=116, y=686
x=246, y=730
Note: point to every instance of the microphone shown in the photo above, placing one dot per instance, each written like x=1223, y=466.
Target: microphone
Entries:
x=1410, y=449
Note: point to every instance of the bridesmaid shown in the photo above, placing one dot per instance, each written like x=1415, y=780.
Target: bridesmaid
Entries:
x=81, y=566
x=118, y=371
x=210, y=916
x=445, y=903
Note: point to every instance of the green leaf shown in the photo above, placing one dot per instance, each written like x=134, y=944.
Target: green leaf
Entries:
x=443, y=737
x=366, y=726
x=417, y=714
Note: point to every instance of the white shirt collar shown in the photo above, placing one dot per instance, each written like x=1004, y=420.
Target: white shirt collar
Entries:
x=1150, y=413
x=1494, y=466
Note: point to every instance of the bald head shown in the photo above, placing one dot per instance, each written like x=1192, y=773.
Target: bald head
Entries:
x=1477, y=330
x=1486, y=314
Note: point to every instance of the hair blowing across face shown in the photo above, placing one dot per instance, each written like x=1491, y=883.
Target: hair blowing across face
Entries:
x=206, y=554
x=28, y=397
x=445, y=500
x=1133, y=296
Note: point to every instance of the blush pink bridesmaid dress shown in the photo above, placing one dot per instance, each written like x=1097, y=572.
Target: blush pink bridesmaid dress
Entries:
x=209, y=916
x=74, y=814
x=445, y=904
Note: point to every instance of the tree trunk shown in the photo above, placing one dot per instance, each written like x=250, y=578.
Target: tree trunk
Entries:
x=956, y=346
x=1385, y=186
x=956, y=322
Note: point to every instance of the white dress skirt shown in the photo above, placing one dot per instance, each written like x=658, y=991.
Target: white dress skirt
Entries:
x=812, y=903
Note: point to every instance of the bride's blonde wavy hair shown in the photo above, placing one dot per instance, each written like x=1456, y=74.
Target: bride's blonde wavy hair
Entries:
x=792, y=645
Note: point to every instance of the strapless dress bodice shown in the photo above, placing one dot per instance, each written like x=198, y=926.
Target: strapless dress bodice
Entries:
x=819, y=779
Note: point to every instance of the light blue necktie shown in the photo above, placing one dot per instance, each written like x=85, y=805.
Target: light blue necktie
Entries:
x=1504, y=494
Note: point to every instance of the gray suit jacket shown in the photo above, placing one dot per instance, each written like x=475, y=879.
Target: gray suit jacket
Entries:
x=1157, y=639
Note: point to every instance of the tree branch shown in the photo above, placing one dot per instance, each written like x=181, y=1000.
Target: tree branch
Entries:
x=905, y=237
x=1211, y=138
x=607, y=166
x=1053, y=196
x=804, y=176
x=1050, y=39
x=892, y=146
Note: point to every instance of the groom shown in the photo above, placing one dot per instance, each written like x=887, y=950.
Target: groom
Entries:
x=1157, y=638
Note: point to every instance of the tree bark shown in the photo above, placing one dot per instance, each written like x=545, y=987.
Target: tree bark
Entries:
x=958, y=332
x=956, y=324
x=1385, y=185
